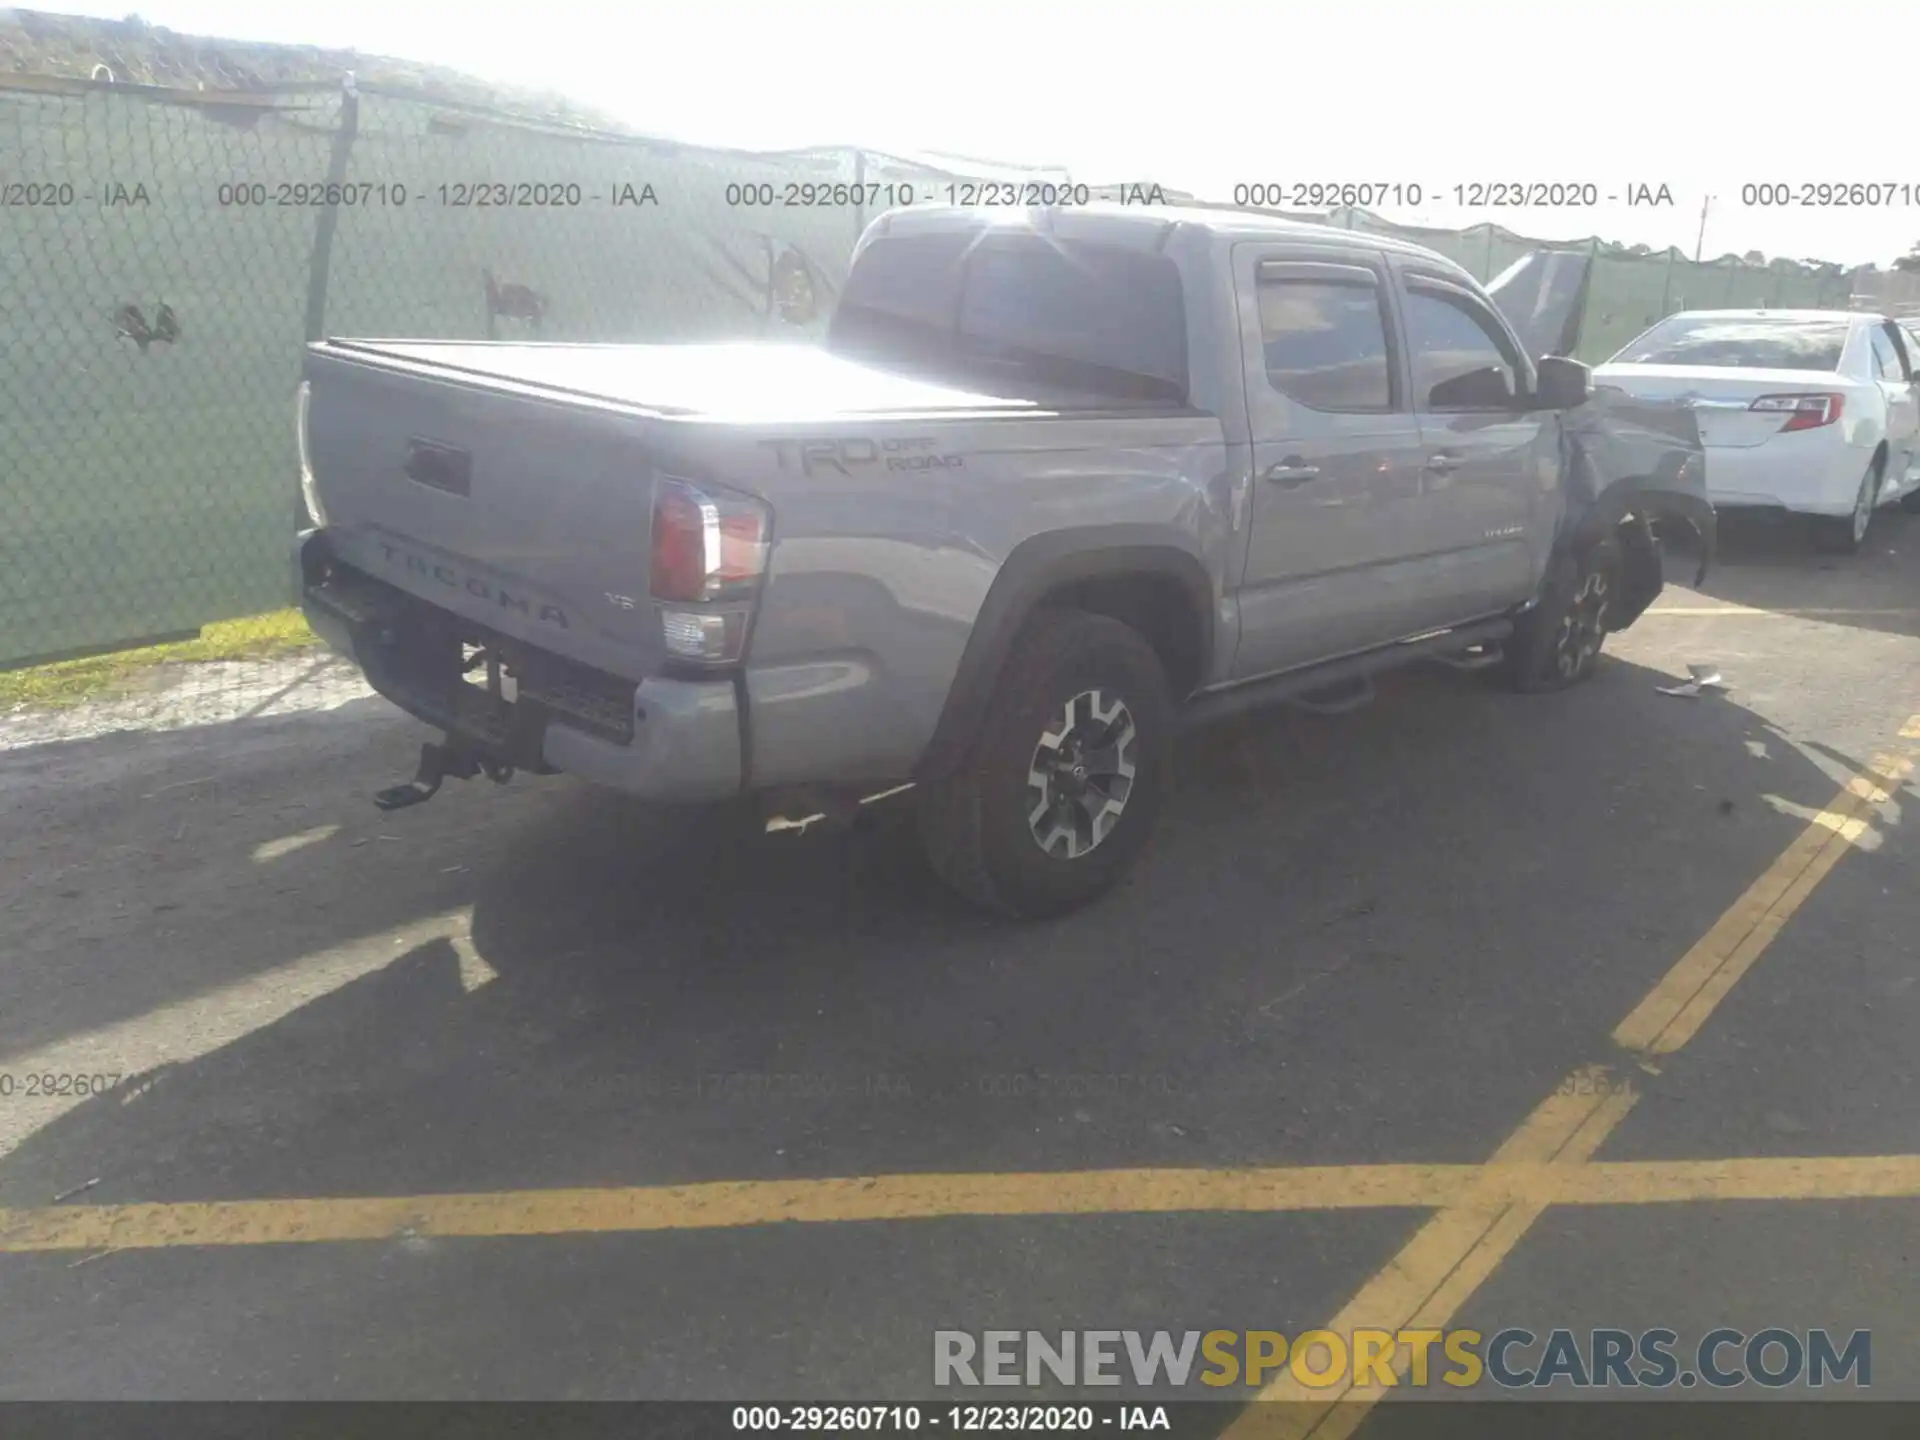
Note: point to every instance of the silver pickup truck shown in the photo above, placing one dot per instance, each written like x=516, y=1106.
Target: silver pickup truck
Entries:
x=1056, y=484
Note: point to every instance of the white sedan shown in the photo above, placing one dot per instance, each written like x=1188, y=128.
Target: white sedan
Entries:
x=1811, y=411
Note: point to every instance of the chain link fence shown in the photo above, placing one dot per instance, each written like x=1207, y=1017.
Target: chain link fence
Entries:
x=166, y=253
x=1630, y=292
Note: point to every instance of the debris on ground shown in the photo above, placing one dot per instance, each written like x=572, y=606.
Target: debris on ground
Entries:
x=1705, y=678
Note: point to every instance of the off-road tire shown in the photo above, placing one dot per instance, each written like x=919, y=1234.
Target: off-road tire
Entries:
x=976, y=825
x=1839, y=534
x=1554, y=646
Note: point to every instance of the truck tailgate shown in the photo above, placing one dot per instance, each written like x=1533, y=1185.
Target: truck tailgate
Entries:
x=525, y=513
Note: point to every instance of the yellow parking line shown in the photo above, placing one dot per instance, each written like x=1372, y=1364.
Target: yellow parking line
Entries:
x=733, y=1203
x=1656, y=1182
x=1482, y=1211
x=1452, y=1254
x=1479, y=1206
x=1676, y=1008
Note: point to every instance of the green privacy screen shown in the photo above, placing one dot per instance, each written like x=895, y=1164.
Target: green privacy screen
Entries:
x=165, y=254
x=147, y=479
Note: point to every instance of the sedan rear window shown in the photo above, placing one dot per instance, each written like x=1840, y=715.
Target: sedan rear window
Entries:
x=1020, y=311
x=1740, y=342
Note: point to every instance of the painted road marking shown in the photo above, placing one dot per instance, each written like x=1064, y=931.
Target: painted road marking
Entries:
x=1674, y=1010
x=200, y=1024
x=735, y=1203
x=1482, y=1211
x=1478, y=1203
x=1454, y=1252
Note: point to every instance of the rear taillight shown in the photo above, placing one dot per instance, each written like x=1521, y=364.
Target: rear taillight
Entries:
x=709, y=550
x=1802, y=412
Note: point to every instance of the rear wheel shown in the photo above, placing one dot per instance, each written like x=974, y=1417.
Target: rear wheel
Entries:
x=1059, y=793
x=1557, y=643
x=1845, y=534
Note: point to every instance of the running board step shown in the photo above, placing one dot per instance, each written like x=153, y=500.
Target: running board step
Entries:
x=1335, y=675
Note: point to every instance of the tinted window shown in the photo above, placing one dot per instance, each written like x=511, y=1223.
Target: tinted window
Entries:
x=916, y=280
x=1745, y=343
x=1009, y=310
x=1886, y=356
x=1448, y=343
x=1086, y=304
x=1326, y=344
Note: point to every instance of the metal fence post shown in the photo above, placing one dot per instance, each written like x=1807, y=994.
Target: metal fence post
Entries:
x=1666, y=284
x=329, y=220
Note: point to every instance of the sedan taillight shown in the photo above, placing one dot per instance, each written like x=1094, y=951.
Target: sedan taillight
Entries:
x=709, y=550
x=1802, y=412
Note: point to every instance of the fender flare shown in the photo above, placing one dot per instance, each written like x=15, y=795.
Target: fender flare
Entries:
x=1646, y=497
x=1035, y=568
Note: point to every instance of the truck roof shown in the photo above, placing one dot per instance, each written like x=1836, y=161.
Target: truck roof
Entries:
x=1148, y=225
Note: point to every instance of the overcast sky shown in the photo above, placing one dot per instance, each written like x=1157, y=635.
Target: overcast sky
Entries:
x=1704, y=98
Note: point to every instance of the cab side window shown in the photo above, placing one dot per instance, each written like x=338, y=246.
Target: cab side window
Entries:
x=1325, y=342
x=1887, y=361
x=1460, y=362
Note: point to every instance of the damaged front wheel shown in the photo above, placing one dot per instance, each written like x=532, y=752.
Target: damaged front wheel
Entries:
x=1557, y=643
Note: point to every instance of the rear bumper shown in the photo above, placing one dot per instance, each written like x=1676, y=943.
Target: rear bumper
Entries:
x=658, y=739
x=1772, y=476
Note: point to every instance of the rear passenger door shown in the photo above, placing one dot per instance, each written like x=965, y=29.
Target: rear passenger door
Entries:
x=1490, y=461
x=1893, y=369
x=1336, y=456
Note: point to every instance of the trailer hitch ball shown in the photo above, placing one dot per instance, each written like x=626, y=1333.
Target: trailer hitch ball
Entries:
x=438, y=763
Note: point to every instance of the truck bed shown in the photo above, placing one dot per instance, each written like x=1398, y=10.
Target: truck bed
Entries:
x=745, y=382
x=512, y=484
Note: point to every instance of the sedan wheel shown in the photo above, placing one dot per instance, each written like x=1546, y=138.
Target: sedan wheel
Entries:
x=1845, y=535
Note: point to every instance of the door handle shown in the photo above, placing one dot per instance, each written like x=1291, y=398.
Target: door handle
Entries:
x=1444, y=464
x=1291, y=471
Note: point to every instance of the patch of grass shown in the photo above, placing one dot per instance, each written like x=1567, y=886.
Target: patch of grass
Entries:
x=69, y=682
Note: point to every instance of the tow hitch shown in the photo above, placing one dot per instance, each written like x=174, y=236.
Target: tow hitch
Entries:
x=450, y=759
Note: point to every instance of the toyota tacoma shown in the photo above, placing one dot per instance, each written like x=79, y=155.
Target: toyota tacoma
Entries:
x=1055, y=484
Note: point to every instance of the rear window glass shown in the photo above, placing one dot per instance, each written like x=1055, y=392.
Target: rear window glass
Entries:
x=1094, y=318
x=914, y=281
x=1742, y=343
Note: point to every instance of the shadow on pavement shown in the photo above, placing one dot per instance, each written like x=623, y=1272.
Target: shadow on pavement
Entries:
x=139, y=870
x=1769, y=563
x=1378, y=938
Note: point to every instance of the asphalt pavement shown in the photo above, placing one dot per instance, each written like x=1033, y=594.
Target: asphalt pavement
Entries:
x=533, y=1093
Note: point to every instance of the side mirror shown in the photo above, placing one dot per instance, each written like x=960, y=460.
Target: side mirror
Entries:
x=1561, y=384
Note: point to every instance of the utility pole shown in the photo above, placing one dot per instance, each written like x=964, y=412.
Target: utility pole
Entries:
x=1701, y=239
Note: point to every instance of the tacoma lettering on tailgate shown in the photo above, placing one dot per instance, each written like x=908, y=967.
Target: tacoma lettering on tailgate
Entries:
x=474, y=585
